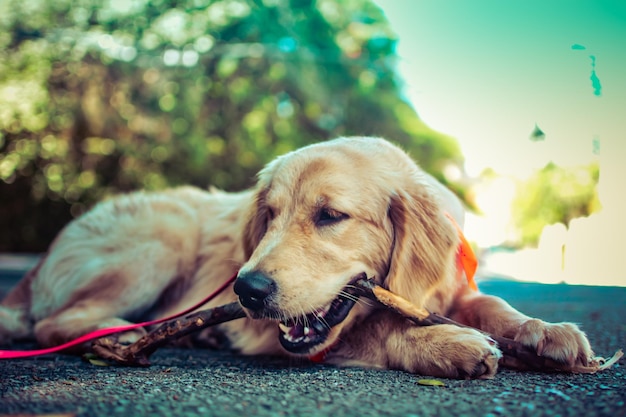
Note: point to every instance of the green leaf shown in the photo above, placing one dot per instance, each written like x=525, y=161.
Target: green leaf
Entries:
x=431, y=382
x=98, y=362
x=94, y=359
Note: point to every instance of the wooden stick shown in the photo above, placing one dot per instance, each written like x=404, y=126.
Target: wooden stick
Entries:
x=137, y=354
x=514, y=354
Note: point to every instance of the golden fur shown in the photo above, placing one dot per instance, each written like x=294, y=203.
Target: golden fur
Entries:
x=317, y=218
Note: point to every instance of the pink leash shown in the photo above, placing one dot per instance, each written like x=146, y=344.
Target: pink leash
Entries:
x=14, y=354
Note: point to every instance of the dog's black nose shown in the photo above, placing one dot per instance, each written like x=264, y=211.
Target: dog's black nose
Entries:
x=253, y=288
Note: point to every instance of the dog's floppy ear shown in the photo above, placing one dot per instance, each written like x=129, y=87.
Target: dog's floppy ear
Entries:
x=257, y=214
x=255, y=223
x=424, y=243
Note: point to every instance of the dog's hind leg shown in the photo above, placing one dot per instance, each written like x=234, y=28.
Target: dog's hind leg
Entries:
x=114, y=298
x=81, y=290
x=80, y=319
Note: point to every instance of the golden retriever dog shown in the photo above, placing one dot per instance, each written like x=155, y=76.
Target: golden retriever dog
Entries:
x=317, y=218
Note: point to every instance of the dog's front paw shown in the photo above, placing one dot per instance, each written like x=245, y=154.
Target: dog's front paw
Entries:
x=562, y=342
x=473, y=355
x=455, y=352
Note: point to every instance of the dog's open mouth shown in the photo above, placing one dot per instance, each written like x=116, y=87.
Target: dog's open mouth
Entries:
x=301, y=334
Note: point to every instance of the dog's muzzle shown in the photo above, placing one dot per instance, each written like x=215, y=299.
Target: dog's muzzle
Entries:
x=299, y=334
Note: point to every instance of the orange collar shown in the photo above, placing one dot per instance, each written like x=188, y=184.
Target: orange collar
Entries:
x=466, y=259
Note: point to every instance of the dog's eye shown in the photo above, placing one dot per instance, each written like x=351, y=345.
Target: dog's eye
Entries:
x=327, y=216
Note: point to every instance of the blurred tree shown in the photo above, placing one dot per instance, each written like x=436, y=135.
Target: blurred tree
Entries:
x=554, y=195
x=102, y=97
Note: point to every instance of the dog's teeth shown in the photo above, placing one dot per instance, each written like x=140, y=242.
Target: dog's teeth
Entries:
x=292, y=339
x=284, y=327
x=306, y=330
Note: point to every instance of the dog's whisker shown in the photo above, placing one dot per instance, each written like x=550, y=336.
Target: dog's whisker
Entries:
x=365, y=302
x=349, y=296
x=302, y=316
x=283, y=318
x=306, y=316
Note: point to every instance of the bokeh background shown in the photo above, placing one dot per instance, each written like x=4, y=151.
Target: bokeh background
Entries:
x=516, y=107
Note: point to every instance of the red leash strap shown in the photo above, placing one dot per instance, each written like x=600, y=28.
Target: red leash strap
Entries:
x=14, y=354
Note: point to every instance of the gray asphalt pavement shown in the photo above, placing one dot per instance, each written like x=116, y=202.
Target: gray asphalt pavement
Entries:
x=184, y=382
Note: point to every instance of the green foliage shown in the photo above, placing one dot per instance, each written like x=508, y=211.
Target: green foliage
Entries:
x=103, y=97
x=554, y=195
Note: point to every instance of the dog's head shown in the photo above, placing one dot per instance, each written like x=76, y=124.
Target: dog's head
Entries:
x=327, y=214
